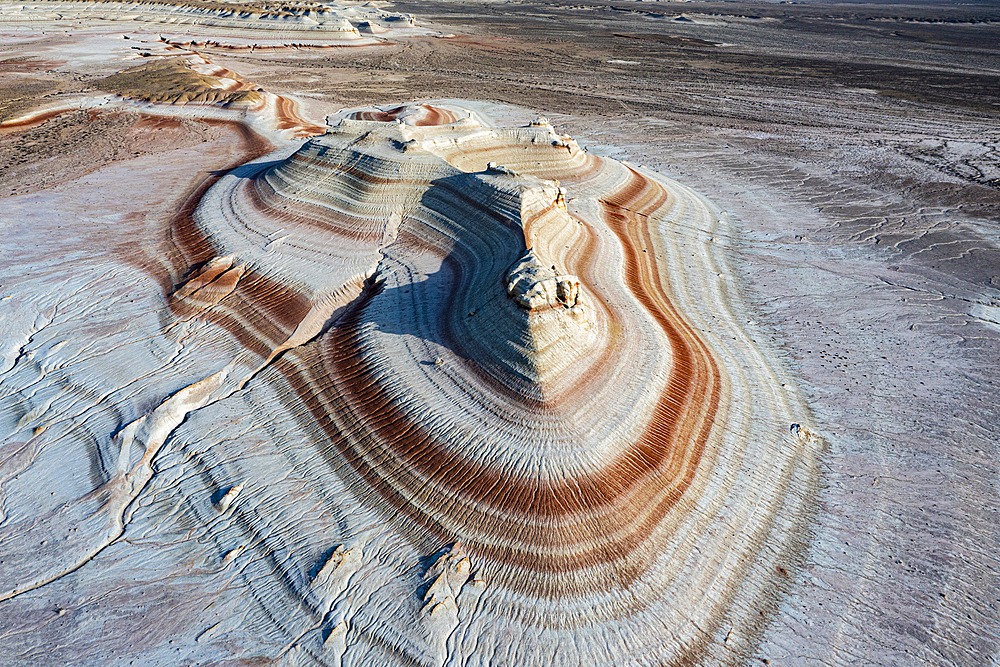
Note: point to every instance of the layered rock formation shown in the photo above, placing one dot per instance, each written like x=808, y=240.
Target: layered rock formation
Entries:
x=226, y=24
x=232, y=448
x=175, y=81
x=530, y=365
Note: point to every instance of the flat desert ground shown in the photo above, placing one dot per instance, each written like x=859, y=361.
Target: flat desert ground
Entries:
x=848, y=156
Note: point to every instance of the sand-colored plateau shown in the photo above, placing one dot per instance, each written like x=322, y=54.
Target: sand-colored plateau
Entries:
x=477, y=333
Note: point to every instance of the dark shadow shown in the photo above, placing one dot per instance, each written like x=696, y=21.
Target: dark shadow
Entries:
x=469, y=276
x=246, y=170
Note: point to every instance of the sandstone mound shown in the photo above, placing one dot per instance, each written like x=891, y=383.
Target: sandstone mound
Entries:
x=527, y=363
x=411, y=114
x=171, y=80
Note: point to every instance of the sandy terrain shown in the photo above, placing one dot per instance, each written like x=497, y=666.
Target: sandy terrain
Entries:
x=854, y=147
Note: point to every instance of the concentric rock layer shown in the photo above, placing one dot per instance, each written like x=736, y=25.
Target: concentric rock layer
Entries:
x=526, y=359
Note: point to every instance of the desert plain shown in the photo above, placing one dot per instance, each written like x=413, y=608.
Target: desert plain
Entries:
x=499, y=333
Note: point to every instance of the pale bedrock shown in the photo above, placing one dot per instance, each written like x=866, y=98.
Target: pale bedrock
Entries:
x=602, y=468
